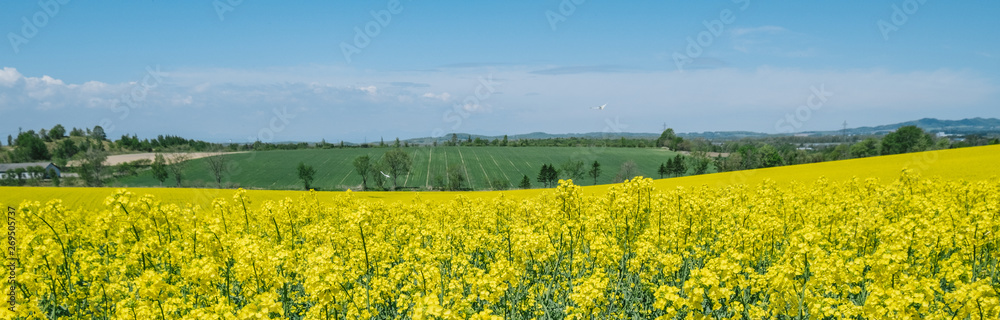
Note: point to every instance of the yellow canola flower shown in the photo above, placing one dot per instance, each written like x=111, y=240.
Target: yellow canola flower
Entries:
x=913, y=247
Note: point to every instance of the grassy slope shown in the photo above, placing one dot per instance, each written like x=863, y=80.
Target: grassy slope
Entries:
x=970, y=164
x=335, y=170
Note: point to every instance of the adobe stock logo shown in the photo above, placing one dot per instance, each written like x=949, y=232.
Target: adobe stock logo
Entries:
x=459, y=111
x=899, y=17
x=222, y=7
x=794, y=120
x=363, y=36
x=135, y=97
x=29, y=28
x=566, y=8
x=713, y=29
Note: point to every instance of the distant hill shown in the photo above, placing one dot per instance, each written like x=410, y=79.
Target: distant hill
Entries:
x=964, y=126
x=961, y=127
x=537, y=136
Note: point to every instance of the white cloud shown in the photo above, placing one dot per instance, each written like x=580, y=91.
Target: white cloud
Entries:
x=694, y=100
x=773, y=41
x=184, y=101
x=371, y=90
x=9, y=76
x=737, y=32
x=443, y=96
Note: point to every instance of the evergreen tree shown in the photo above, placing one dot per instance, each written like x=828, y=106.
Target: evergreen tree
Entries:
x=525, y=183
x=679, y=167
x=595, y=171
x=543, y=176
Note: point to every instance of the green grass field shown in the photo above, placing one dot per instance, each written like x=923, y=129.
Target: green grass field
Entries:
x=335, y=170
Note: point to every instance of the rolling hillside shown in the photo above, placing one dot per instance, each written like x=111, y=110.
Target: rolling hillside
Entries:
x=969, y=164
x=335, y=170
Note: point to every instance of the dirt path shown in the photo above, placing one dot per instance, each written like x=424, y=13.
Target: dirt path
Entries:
x=430, y=157
x=345, y=177
x=466, y=167
x=123, y=158
x=501, y=170
x=515, y=167
x=480, y=162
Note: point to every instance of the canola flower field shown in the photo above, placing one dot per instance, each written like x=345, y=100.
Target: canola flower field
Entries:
x=919, y=244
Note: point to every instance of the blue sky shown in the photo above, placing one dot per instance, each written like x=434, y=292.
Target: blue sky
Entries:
x=277, y=71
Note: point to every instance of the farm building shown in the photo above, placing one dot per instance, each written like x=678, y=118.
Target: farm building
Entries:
x=8, y=168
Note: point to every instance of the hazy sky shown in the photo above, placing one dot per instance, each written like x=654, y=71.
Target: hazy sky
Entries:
x=359, y=70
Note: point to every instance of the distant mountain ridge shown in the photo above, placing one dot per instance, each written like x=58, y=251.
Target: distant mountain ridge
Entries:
x=964, y=126
x=961, y=127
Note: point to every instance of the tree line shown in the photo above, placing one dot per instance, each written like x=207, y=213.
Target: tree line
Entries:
x=765, y=153
x=59, y=147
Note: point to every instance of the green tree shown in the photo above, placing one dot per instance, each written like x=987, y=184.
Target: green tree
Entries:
x=439, y=182
x=663, y=168
x=669, y=139
x=548, y=175
x=29, y=147
x=456, y=178
x=57, y=132
x=627, y=171
x=363, y=166
x=56, y=180
x=217, y=166
x=701, y=165
x=906, y=139
x=306, y=174
x=378, y=172
x=66, y=149
x=866, y=148
x=572, y=170
x=398, y=163
x=98, y=134
x=749, y=156
x=177, y=163
x=159, y=168
x=595, y=171
x=543, y=175
x=126, y=169
x=92, y=167
x=500, y=184
x=941, y=144
x=525, y=183
x=770, y=157
x=678, y=167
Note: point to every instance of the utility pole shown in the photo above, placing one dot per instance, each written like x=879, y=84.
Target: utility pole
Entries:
x=844, y=132
x=847, y=151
